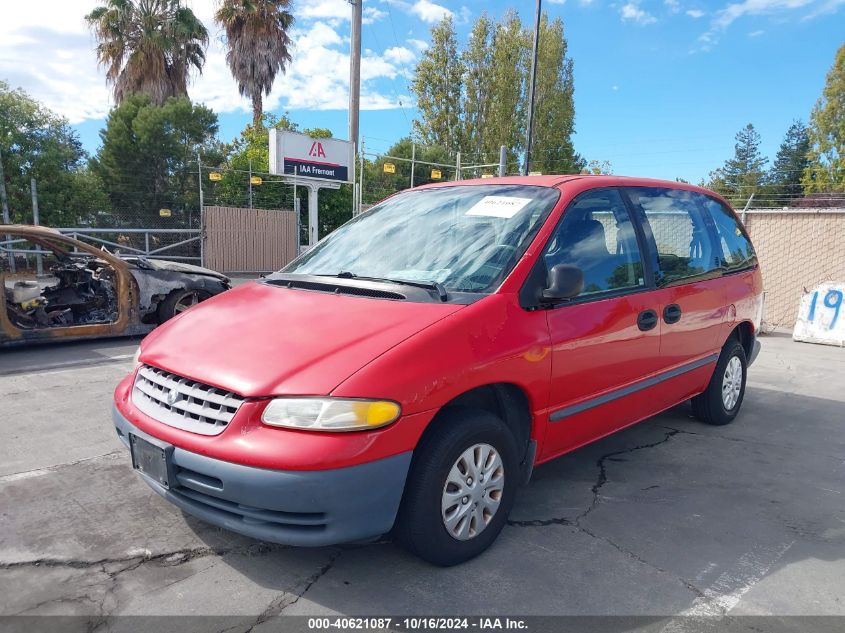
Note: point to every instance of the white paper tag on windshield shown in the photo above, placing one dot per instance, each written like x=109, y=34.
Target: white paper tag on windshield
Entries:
x=498, y=206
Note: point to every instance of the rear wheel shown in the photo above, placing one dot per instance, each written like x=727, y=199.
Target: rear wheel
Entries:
x=460, y=489
x=178, y=301
x=721, y=401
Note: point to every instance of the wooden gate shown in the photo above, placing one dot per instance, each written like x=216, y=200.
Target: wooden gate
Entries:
x=248, y=240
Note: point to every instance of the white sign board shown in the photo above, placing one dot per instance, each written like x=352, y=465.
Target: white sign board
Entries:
x=292, y=153
x=821, y=317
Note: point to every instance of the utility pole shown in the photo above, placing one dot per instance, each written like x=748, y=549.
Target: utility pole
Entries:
x=199, y=174
x=355, y=71
x=250, y=183
x=413, y=160
x=36, y=220
x=4, y=202
x=503, y=160
x=528, y=133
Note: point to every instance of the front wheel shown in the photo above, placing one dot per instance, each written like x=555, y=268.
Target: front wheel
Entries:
x=720, y=402
x=178, y=301
x=460, y=489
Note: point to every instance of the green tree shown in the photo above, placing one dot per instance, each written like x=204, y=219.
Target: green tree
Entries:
x=258, y=45
x=744, y=174
x=37, y=143
x=554, y=110
x=148, y=157
x=148, y=46
x=478, y=76
x=510, y=67
x=826, y=170
x=481, y=93
x=438, y=85
x=784, y=178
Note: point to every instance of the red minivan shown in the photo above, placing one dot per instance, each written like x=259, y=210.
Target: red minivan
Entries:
x=409, y=371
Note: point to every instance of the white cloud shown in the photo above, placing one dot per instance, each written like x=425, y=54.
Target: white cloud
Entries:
x=755, y=33
x=420, y=45
x=733, y=12
x=695, y=13
x=557, y=1
x=429, y=11
x=634, y=13
x=322, y=10
x=400, y=55
x=372, y=14
x=672, y=5
x=737, y=10
x=50, y=54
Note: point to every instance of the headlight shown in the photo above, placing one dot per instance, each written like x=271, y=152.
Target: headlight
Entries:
x=136, y=360
x=330, y=414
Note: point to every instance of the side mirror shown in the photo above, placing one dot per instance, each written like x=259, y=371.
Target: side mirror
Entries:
x=565, y=281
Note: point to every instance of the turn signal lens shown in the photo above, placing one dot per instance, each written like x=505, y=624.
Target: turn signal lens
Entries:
x=330, y=414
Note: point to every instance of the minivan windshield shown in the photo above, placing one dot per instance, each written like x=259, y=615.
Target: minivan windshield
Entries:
x=465, y=238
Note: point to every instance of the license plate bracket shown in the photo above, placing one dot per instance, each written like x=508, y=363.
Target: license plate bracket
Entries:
x=152, y=459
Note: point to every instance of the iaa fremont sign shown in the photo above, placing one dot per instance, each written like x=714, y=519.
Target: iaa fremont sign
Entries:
x=293, y=154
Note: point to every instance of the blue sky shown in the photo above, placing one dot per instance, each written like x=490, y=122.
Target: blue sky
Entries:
x=661, y=86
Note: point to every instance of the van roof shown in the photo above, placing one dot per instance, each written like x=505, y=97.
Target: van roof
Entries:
x=557, y=180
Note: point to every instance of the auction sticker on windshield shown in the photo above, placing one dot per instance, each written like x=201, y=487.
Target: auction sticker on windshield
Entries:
x=498, y=206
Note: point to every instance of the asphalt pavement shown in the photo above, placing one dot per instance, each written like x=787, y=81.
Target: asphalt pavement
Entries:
x=667, y=517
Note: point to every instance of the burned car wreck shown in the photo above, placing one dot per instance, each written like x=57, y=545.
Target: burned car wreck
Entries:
x=82, y=291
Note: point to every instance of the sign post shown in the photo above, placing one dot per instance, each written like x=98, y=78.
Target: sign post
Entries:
x=315, y=163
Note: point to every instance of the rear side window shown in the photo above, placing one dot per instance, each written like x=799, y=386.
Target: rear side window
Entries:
x=736, y=250
x=597, y=236
x=677, y=223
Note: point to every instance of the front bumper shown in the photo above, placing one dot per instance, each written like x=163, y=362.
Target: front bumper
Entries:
x=304, y=508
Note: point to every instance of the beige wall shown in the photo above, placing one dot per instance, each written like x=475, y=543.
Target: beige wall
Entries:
x=248, y=240
x=798, y=249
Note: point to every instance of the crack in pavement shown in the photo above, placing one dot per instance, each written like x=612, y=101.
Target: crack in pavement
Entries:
x=37, y=472
x=171, y=558
x=287, y=599
x=601, y=480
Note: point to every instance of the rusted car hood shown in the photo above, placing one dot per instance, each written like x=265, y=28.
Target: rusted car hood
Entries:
x=262, y=340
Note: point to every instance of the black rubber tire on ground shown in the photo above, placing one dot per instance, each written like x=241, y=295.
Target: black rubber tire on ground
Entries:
x=709, y=406
x=419, y=525
x=167, y=309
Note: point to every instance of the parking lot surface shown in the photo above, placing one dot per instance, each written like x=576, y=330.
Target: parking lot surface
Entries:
x=667, y=517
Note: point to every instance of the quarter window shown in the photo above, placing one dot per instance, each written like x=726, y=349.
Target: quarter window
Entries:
x=677, y=223
x=597, y=236
x=737, y=252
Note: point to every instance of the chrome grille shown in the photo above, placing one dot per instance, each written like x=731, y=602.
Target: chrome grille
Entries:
x=183, y=403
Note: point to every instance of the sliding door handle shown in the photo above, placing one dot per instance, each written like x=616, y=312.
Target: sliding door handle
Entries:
x=672, y=313
x=646, y=320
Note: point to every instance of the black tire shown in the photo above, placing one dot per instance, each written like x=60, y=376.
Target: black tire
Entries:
x=709, y=407
x=420, y=525
x=170, y=307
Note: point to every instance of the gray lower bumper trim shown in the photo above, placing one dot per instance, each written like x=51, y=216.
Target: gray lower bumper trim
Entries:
x=755, y=351
x=304, y=508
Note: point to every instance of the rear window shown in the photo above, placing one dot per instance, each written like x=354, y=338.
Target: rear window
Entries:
x=736, y=249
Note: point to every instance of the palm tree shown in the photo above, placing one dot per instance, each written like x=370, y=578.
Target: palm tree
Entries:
x=258, y=43
x=148, y=46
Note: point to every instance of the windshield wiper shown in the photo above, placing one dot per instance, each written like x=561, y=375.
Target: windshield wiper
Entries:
x=436, y=286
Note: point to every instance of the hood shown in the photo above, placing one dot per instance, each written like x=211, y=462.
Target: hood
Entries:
x=262, y=340
x=176, y=267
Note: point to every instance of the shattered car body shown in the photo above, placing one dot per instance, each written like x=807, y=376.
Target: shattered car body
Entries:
x=88, y=292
